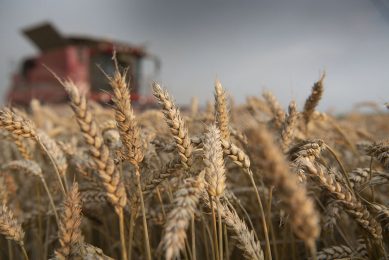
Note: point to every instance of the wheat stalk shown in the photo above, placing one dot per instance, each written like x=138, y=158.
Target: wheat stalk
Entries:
x=56, y=153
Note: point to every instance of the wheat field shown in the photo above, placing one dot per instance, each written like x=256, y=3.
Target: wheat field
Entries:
x=251, y=181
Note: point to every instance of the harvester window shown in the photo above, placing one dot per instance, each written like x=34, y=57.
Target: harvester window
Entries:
x=104, y=61
x=27, y=65
x=98, y=79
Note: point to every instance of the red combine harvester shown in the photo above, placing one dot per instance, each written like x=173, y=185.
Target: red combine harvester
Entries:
x=77, y=58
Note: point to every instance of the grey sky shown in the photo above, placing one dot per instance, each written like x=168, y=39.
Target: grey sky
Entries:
x=249, y=45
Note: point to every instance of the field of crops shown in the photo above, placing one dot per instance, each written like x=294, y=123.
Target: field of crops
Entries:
x=228, y=181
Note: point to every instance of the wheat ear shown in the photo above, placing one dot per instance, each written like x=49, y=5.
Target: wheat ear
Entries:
x=215, y=177
x=125, y=117
x=176, y=124
x=214, y=163
x=105, y=165
x=313, y=100
x=20, y=126
x=380, y=151
x=221, y=111
x=345, y=198
x=289, y=126
x=239, y=157
x=31, y=167
x=303, y=216
x=93, y=253
x=162, y=175
x=107, y=171
x=11, y=229
x=22, y=147
x=3, y=191
x=178, y=219
x=129, y=134
x=16, y=124
x=335, y=252
x=275, y=108
x=246, y=239
x=69, y=233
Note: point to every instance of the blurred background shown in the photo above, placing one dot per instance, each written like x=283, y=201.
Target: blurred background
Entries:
x=281, y=46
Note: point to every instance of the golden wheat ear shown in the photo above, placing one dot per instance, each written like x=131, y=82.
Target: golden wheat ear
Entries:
x=125, y=117
x=99, y=152
x=103, y=162
x=23, y=127
x=185, y=205
x=11, y=229
x=246, y=239
x=288, y=126
x=176, y=124
x=214, y=163
x=313, y=100
x=275, y=108
x=222, y=111
x=69, y=233
x=304, y=218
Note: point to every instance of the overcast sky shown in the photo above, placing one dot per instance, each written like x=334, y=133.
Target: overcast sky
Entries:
x=249, y=45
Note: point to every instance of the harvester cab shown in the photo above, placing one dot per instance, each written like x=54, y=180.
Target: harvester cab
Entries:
x=80, y=59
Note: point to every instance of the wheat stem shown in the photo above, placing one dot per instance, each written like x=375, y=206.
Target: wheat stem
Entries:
x=131, y=231
x=193, y=231
x=269, y=221
x=220, y=227
x=263, y=216
x=23, y=249
x=10, y=250
x=226, y=241
x=51, y=200
x=122, y=235
x=54, y=165
x=215, y=242
x=145, y=229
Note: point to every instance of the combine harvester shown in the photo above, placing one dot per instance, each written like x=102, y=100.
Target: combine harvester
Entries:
x=76, y=58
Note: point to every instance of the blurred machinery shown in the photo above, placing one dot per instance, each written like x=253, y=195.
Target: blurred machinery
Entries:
x=77, y=58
